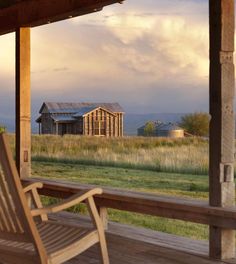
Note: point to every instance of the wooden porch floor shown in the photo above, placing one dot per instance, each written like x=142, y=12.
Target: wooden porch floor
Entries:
x=131, y=245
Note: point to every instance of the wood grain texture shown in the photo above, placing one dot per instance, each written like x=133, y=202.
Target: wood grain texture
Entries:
x=222, y=187
x=164, y=206
x=34, y=13
x=133, y=245
x=19, y=212
x=23, y=102
x=40, y=241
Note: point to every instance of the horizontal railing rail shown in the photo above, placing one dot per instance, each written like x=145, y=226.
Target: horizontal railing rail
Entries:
x=163, y=206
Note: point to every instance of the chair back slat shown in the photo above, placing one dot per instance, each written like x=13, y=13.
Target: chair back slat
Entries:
x=2, y=226
x=16, y=222
x=9, y=216
x=5, y=220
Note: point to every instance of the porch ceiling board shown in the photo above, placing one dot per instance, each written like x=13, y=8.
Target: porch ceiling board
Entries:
x=31, y=13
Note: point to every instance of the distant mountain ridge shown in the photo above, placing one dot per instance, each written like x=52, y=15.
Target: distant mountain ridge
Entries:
x=131, y=121
x=8, y=123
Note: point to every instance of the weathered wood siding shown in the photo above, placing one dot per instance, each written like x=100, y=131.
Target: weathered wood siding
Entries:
x=103, y=123
x=48, y=126
x=96, y=123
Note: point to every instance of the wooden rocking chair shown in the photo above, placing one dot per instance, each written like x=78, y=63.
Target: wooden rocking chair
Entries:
x=23, y=240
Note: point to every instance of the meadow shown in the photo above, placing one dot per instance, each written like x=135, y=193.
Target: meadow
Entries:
x=163, y=183
x=176, y=167
x=188, y=155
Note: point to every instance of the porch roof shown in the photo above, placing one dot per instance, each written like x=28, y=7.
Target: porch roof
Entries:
x=31, y=13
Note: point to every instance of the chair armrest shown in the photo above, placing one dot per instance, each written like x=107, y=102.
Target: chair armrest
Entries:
x=67, y=203
x=31, y=186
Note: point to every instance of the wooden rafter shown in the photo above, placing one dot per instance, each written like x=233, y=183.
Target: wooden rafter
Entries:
x=33, y=13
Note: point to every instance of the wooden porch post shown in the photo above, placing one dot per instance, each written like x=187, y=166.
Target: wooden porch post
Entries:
x=23, y=106
x=222, y=187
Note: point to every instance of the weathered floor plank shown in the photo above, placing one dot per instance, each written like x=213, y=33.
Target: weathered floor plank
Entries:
x=132, y=245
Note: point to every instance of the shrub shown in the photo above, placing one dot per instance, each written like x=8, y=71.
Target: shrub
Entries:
x=149, y=129
x=196, y=124
x=2, y=129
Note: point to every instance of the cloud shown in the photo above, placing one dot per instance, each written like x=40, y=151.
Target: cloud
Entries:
x=151, y=56
x=7, y=55
x=63, y=69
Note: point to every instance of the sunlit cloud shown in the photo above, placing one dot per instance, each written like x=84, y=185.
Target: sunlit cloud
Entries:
x=170, y=41
x=7, y=55
x=145, y=54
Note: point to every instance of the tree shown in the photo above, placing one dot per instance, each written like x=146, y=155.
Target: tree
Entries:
x=196, y=124
x=2, y=129
x=149, y=129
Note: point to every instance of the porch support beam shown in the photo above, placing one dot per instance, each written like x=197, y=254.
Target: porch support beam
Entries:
x=35, y=13
x=221, y=178
x=23, y=106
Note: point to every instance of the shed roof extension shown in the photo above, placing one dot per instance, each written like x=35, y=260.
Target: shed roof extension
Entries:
x=63, y=118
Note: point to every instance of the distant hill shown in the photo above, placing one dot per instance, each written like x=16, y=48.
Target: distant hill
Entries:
x=9, y=123
x=133, y=121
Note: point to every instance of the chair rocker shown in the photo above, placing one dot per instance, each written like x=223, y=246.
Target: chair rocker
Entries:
x=27, y=235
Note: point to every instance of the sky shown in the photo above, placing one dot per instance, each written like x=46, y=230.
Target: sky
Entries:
x=151, y=56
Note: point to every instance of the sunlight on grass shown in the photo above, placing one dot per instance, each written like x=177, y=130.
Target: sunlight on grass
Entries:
x=186, y=155
x=176, y=167
x=161, y=183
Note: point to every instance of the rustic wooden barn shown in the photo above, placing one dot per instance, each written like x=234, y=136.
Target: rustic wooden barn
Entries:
x=126, y=244
x=89, y=119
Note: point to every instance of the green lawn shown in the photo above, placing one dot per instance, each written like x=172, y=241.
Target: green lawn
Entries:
x=193, y=186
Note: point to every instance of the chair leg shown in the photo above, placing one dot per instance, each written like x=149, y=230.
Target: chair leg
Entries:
x=103, y=248
x=101, y=233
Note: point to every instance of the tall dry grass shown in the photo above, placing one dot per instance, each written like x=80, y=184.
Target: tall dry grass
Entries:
x=188, y=155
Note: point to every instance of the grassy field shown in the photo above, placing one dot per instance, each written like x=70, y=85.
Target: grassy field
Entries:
x=183, y=185
x=188, y=155
x=176, y=167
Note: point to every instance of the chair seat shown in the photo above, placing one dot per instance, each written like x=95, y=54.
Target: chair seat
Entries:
x=57, y=239
x=56, y=236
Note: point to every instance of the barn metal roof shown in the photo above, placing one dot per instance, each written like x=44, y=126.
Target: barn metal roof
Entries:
x=169, y=127
x=160, y=126
x=87, y=109
x=74, y=108
x=68, y=112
